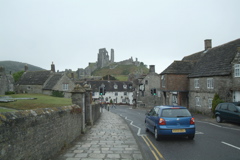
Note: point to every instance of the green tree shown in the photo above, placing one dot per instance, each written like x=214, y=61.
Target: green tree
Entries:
x=17, y=75
x=215, y=102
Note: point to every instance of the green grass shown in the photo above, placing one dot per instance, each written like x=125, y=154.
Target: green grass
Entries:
x=6, y=110
x=42, y=101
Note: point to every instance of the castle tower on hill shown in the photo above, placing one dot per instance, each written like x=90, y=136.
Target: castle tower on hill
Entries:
x=103, y=58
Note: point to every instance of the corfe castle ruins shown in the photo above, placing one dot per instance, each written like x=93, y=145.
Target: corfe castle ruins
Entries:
x=104, y=61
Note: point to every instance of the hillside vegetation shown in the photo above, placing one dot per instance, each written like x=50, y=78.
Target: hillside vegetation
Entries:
x=13, y=66
x=121, y=72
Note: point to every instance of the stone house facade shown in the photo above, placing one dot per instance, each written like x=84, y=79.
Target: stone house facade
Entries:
x=218, y=71
x=44, y=82
x=6, y=82
x=174, y=83
x=143, y=85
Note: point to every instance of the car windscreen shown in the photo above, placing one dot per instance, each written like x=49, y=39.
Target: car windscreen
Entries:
x=175, y=113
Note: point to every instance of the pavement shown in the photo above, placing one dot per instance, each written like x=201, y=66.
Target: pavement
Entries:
x=110, y=138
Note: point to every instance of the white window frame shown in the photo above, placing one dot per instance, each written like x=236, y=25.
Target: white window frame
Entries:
x=237, y=70
x=210, y=83
x=210, y=103
x=198, y=101
x=196, y=83
x=115, y=86
x=163, y=81
x=65, y=86
x=125, y=86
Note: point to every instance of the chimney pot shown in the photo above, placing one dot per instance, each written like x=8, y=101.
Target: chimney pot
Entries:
x=208, y=44
x=52, y=67
x=152, y=69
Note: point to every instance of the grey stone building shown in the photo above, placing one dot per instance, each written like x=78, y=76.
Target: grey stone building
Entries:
x=44, y=82
x=6, y=81
x=217, y=71
x=174, y=83
x=143, y=86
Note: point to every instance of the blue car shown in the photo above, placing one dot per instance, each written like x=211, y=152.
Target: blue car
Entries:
x=170, y=121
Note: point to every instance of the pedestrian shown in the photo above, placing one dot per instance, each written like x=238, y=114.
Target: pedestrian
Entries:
x=113, y=106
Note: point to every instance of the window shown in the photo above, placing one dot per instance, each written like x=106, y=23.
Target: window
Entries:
x=163, y=81
x=115, y=86
x=196, y=83
x=210, y=103
x=125, y=93
x=146, y=82
x=210, y=83
x=116, y=93
x=237, y=70
x=198, y=102
x=125, y=86
x=65, y=87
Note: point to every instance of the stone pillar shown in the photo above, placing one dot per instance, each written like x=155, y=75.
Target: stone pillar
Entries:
x=88, y=104
x=78, y=98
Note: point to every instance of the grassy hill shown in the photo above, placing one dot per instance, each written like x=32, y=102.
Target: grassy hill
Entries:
x=14, y=66
x=121, y=72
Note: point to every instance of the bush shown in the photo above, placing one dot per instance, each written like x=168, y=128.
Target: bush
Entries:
x=57, y=94
x=9, y=92
x=215, y=102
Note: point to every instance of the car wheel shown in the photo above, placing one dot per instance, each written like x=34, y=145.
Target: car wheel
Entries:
x=156, y=135
x=191, y=137
x=218, y=119
x=146, y=129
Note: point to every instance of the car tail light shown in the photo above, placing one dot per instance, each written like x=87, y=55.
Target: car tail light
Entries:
x=192, y=121
x=162, y=121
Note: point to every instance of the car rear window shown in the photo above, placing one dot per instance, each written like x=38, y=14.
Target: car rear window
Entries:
x=175, y=113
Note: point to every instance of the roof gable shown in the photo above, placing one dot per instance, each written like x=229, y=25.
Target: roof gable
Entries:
x=179, y=67
x=216, y=61
x=34, y=77
x=53, y=81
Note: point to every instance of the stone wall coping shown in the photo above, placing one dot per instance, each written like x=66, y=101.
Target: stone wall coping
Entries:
x=10, y=116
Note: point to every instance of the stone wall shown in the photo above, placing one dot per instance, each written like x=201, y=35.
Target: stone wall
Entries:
x=41, y=133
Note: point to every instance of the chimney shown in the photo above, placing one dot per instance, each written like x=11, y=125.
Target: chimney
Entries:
x=52, y=67
x=208, y=44
x=26, y=68
x=238, y=49
x=152, y=69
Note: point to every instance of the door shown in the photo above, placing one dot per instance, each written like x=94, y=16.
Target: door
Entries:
x=236, y=96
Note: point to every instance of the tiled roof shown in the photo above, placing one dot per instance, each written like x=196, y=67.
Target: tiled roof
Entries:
x=216, y=61
x=179, y=67
x=109, y=85
x=194, y=57
x=52, y=81
x=34, y=78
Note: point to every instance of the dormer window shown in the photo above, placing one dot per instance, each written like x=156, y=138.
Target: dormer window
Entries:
x=125, y=86
x=115, y=86
x=237, y=70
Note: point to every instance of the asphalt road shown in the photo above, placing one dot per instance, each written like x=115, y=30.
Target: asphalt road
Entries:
x=213, y=141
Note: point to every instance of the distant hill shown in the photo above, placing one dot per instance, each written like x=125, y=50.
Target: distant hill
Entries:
x=121, y=72
x=13, y=66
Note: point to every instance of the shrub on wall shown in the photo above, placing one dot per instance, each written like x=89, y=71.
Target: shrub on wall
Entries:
x=57, y=94
x=215, y=102
x=9, y=92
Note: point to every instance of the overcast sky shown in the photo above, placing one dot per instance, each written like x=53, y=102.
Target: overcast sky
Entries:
x=70, y=32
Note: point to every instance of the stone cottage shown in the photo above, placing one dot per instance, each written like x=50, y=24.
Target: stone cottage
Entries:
x=44, y=82
x=217, y=71
x=144, y=86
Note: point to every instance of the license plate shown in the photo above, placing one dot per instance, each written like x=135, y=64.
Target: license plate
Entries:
x=178, y=130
